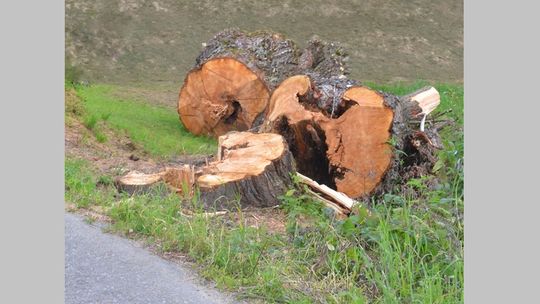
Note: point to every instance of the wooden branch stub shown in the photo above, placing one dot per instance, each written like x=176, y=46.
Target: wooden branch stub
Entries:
x=337, y=197
x=427, y=99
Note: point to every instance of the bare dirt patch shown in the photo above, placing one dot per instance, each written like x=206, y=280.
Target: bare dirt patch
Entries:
x=118, y=154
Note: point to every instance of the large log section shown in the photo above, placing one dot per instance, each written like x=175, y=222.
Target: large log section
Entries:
x=228, y=89
x=342, y=134
x=368, y=141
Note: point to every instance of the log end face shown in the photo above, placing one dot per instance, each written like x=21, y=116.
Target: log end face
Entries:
x=358, y=143
x=220, y=96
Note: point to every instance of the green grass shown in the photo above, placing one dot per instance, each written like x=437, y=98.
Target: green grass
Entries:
x=410, y=250
x=157, y=129
x=451, y=96
x=81, y=185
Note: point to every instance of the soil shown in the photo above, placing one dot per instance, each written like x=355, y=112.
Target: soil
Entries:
x=156, y=42
x=118, y=154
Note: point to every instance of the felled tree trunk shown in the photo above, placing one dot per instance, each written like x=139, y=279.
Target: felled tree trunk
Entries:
x=356, y=147
x=228, y=90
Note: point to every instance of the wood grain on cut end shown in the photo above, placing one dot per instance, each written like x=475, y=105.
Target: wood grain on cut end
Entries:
x=350, y=152
x=222, y=95
x=358, y=148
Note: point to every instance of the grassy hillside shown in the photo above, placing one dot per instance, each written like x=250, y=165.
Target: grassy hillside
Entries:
x=157, y=129
x=135, y=41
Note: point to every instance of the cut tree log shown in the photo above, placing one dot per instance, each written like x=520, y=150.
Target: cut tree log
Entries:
x=228, y=90
x=270, y=55
x=356, y=148
x=253, y=168
x=273, y=57
x=220, y=96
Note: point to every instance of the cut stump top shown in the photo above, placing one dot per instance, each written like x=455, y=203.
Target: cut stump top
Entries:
x=242, y=154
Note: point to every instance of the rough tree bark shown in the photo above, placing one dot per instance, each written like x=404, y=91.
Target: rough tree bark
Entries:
x=356, y=147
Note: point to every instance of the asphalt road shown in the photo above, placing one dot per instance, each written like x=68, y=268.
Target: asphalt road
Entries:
x=105, y=268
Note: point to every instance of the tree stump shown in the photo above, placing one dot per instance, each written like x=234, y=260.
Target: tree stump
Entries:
x=251, y=169
x=255, y=168
x=355, y=149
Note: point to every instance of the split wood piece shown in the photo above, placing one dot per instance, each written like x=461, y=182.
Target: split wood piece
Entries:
x=334, y=199
x=220, y=96
x=177, y=179
x=350, y=152
x=255, y=168
x=203, y=214
x=427, y=99
x=339, y=212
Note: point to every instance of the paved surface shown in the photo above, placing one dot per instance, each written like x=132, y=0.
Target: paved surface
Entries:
x=104, y=268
